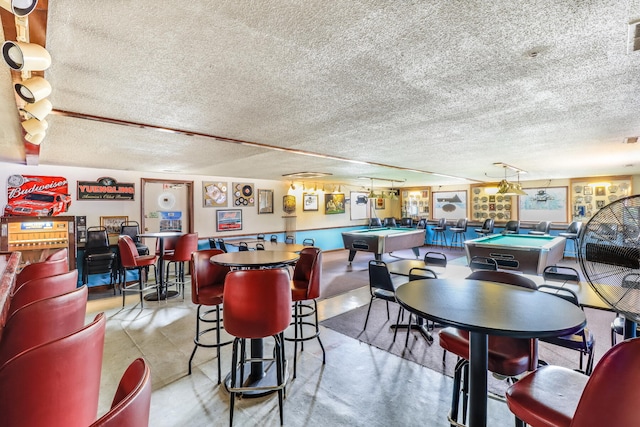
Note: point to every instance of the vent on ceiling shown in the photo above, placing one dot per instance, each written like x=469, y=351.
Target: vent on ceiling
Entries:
x=631, y=140
x=634, y=36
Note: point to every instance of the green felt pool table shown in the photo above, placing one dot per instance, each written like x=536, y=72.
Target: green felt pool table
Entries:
x=523, y=252
x=382, y=240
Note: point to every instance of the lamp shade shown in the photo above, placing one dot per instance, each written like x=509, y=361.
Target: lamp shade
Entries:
x=33, y=90
x=34, y=126
x=19, y=7
x=38, y=110
x=25, y=56
x=35, y=139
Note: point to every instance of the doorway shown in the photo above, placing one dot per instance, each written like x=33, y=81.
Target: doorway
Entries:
x=166, y=205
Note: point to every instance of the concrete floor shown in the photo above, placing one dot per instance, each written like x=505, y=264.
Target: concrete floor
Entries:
x=360, y=385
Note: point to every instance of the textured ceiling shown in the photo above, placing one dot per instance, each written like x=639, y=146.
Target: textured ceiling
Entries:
x=448, y=87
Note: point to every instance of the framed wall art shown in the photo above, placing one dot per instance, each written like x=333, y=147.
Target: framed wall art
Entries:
x=380, y=204
x=112, y=223
x=543, y=204
x=243, y=194
x=334, y=203
x=359, y=204
x=265, y=201
x=228, y=219
x=289, y=204
x=449, y=204
x=310, y=202
x=214, y=194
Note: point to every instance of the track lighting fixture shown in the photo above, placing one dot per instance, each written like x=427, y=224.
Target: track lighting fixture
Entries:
x=35, y=126
x=293, y=187
x=25, y=56
x=35, y=139
x=33, y=90
x=38, y=110
x=19, y=7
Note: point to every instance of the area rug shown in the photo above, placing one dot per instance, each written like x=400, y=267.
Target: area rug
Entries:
x=380, y=335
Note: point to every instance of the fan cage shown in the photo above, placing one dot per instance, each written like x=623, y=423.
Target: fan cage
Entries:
x=609, y=255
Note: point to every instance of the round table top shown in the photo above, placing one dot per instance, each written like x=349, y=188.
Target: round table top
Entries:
x=281, y=246
x=162, y=234
x=491, y=308
x=255, y=259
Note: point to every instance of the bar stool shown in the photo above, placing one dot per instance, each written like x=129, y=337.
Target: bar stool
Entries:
x=459, y=233
x=439, y=236
x=487, y=227
x=207, y=287
x=573, y=233
x=305, y=286
x=130, y=260
x=256, y=305
x=185, y=246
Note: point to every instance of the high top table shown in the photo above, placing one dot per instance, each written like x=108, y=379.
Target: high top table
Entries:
x=258, y=373
x=487, y=308
x=164, y=293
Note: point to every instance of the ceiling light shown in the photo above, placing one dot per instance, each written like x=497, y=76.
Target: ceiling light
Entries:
x=509, y=188
x=34, y=126
x=33, y=90
x=293, y=187
x=35, y=139
x=631, y=140
x=301, y=175
x=25, y=56
x=19, y=7
x=38, y=110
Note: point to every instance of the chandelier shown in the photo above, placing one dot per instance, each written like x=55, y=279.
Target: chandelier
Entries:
x=510, y=188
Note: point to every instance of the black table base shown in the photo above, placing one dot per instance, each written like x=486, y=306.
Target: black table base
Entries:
x=418, y=326
x=256, y=375
x=163, y=295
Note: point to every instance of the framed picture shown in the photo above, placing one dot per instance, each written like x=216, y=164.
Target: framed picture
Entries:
x=289, y=203
x=449, y=204
x=112, y=223
x=243, y=194
x=310, y=202
x=265, y=201
x=380, y=203
x=359, y=203
x=334, y=203
x=600, y=191
x=214, y=194
x=228, y=219
x=543, y=204
x=600, y=204
x=588, y=190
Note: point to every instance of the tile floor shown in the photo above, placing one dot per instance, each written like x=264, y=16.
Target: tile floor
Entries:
x=360, y=385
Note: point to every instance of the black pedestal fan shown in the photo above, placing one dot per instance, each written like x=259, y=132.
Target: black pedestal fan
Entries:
x=609, y=256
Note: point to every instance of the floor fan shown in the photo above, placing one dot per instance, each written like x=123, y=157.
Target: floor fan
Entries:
x=609, y=256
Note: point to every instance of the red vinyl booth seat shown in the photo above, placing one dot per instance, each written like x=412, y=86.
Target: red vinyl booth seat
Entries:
x=132, y=401
x=55, y=384
x=41, y=269
x=42, y=288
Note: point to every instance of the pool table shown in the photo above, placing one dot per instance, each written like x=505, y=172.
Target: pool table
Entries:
x=381, y=240
x=524, y=252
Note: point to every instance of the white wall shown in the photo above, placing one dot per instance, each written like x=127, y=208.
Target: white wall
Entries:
x=204, y=218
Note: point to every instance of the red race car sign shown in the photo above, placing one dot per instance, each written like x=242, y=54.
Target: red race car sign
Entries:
x=30, y=195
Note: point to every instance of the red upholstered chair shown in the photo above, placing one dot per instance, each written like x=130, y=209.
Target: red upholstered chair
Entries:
x=42, y=321
x=130, y=260
x=55, y=384
x=42, y=288
x=507, y=356
x=58, y=255
x=558, y=396
x=132, y=401
x=207, y=286
x=305, y=286
x=185, y=246
x=257, y=304
x=41, y=269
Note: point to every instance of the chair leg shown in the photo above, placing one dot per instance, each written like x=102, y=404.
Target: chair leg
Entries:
x=368, y=311
x=296, y=325
x=395, y=332
x=234, y=363
x=279, y=372
x=455, y=397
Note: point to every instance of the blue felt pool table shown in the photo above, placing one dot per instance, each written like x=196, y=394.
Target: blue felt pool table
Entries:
x=523, y=252
x=382, y=240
